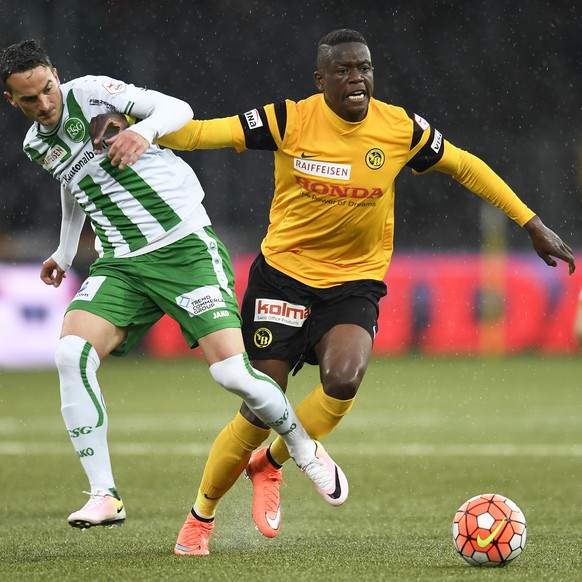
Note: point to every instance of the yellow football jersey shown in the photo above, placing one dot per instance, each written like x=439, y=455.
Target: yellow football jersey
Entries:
x=332, y=214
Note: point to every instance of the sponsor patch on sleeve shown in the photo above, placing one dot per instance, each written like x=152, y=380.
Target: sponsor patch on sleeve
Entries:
x=437, y=141
x=253, y=119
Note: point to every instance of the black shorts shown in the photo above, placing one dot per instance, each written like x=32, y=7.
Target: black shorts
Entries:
x=283, y=319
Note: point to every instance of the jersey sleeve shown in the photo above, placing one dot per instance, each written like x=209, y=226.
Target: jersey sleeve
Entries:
x=264, y=128
x=72, y=220
x=257, y=129
x=479, y=178
x=426, y=145
x=206, y=134
x=430, y=151
x=158, y=114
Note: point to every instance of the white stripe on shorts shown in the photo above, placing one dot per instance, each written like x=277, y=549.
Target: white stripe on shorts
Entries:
x=212, y=247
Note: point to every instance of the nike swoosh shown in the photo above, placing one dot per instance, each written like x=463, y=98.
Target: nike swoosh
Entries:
x=211, y=498
x=120, y=509
x=482, y=543
x=186, y=548
x=307, y=156
x=274, y=522
x=338, y=489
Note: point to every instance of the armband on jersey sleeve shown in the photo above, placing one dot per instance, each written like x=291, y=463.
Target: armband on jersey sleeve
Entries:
x=264, y=128
x=431, y=145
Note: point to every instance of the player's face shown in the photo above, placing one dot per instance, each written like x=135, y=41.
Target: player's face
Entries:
x=347, y=80
x=37, y=94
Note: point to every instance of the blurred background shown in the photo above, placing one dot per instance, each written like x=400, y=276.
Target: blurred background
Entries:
x=503, y=80
x=500, y=79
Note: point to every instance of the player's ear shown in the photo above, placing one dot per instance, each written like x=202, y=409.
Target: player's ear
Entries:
x=8, y=97
x=56, y=75
x=318, y=78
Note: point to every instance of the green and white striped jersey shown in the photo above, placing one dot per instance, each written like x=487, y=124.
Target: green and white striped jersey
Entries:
x=151, y=204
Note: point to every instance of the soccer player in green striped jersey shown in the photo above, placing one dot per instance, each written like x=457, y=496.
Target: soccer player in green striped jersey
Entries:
x=157, y=254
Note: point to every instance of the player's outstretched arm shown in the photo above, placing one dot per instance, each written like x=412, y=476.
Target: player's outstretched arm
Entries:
x=197, y=134
x=548, y=244
x=478, y=177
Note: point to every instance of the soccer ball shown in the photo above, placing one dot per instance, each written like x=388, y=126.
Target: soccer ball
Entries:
x=489, y=530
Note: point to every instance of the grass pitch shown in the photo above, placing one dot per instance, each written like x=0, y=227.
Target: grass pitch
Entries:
x=424, y=436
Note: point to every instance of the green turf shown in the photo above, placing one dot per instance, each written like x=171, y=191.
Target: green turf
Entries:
x=424, y=435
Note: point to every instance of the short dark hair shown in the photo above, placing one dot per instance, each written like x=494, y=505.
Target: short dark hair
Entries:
x=339, y=36
x=22, y=56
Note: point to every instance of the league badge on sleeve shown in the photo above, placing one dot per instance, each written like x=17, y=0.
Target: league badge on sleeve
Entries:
x=423, y=123
x=114, y=87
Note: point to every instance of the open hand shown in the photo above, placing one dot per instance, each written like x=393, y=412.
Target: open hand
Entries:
x=548, y=244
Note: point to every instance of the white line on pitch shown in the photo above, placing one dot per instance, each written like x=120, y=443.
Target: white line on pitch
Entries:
x=367, y=449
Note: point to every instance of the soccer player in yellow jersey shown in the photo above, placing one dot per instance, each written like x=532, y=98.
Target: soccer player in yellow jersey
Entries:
x=314, y=289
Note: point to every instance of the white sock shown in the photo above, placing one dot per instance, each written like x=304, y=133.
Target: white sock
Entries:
x=267, y=401
x=83, y=408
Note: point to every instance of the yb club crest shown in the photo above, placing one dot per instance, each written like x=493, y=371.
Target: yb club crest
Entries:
x=375, y=159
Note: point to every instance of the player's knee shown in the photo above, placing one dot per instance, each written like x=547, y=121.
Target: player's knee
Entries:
x=69, y=351
x=77, y=363
x=342, y=383
x=231, y=374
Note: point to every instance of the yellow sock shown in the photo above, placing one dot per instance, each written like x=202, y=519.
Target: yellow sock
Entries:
x=319, y=414
x=228, y=457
